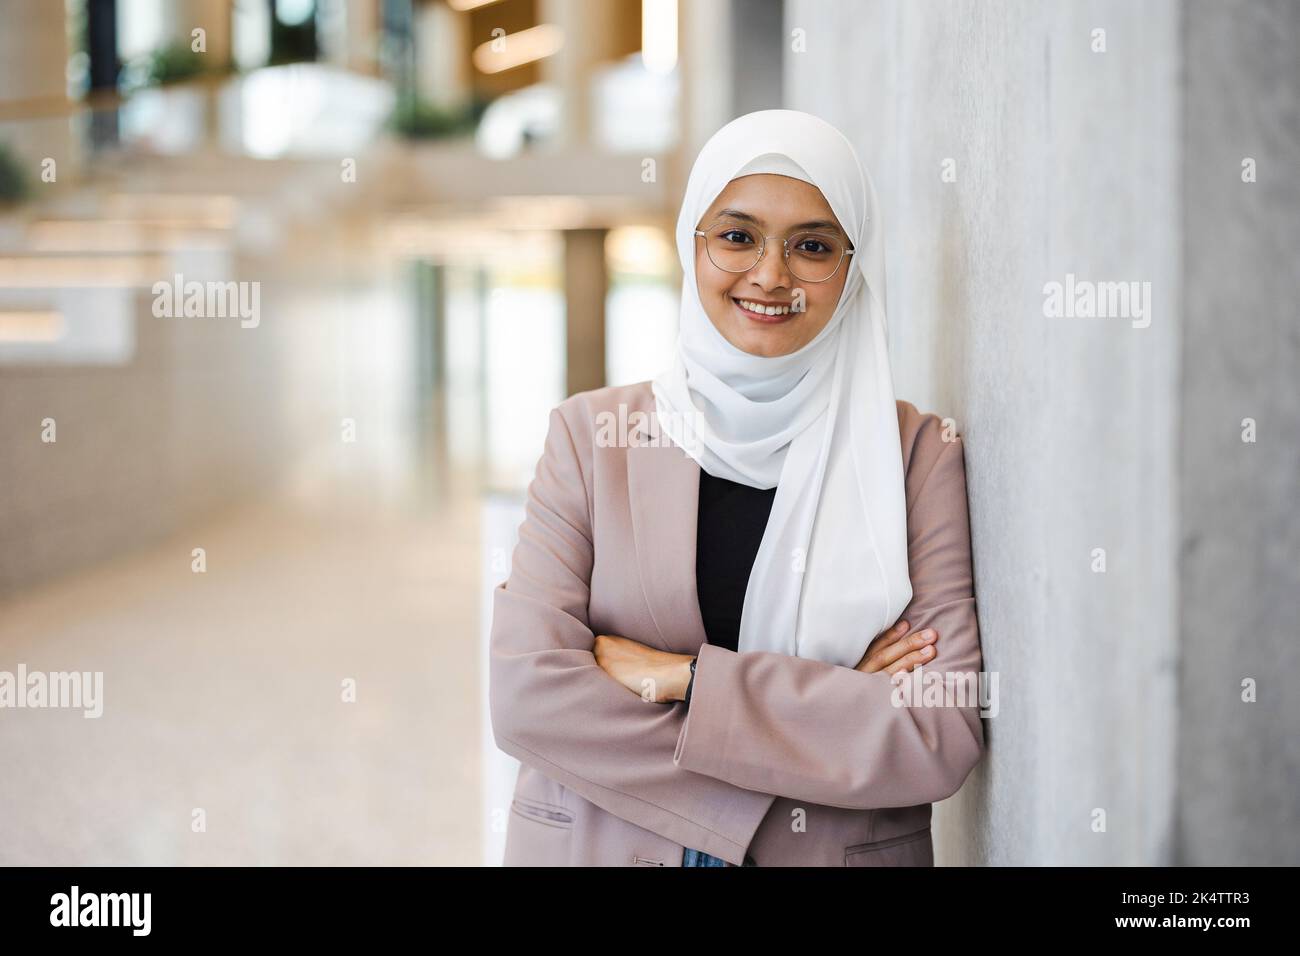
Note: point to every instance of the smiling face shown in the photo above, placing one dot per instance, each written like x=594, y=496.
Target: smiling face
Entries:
x=776, y=206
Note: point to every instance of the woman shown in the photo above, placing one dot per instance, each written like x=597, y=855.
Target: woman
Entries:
x=695, y=655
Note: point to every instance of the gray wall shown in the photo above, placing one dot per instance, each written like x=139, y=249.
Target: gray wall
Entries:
x=1074, y=161
x=1238, y=762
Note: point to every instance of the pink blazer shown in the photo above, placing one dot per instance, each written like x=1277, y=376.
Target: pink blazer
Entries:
x=791, y=761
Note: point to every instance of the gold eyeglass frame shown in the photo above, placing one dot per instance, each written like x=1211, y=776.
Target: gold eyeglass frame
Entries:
x=762, y=250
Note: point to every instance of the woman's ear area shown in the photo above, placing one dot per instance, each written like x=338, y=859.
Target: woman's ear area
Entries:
x=700, y=262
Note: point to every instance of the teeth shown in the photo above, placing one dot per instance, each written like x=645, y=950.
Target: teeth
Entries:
x=764, y=309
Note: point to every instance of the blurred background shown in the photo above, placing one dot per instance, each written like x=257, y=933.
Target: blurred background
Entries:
x=275, y=529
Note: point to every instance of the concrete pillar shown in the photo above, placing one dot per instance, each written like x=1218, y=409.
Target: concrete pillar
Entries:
x=351, y=33
x=585, y=286
x=978, y=127
x=443, y=70
x=213, y=16
x=761, y=43
x=1239, y=534
x=705, y=59
x=590, y=29
x=34, y=106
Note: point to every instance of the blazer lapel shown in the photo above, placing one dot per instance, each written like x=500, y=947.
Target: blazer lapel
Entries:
x=664, y=494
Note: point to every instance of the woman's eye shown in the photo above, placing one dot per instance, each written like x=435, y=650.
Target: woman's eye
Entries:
x=735, y=235
x=814, y=247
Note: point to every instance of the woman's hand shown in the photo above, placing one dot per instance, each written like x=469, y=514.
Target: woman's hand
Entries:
x=895, y=650
x=655, y=676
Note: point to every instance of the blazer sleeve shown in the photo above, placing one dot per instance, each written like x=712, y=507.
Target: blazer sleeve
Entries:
x=554, y=708
x=831, y=735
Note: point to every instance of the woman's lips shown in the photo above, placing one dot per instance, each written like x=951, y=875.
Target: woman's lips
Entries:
x=761, y=316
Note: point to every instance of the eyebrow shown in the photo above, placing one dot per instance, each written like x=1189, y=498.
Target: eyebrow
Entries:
x=811, y=224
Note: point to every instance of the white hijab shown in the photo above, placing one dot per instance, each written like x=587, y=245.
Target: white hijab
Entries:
x=819, y=424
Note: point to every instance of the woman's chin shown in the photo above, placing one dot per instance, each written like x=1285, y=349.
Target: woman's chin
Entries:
x=766, y=341
x=765, y=346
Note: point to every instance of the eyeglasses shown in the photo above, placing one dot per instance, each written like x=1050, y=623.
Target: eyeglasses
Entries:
x=810, y=256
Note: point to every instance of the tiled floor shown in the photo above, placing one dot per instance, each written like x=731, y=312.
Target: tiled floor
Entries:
x=222, y=691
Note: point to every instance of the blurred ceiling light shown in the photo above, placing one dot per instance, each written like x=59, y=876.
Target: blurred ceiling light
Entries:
x=43, y=326
x=463, y=5
x=526, y=46
x=659, y=35
x=60, y=272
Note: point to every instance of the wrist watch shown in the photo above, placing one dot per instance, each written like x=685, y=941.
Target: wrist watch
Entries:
x=691, y=683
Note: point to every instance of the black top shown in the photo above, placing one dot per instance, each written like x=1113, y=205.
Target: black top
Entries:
x=732, y=518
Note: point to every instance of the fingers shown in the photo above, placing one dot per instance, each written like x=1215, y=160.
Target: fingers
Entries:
x=905, y=652
x=910, y=661
x=886, y=637
x=881, y=640
x=903, y=645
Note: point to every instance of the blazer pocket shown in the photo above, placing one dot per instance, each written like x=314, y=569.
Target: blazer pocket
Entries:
x=542, y=812
x=539, y=834
x=910, y=849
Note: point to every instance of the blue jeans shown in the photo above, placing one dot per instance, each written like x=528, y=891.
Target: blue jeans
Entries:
x=700, y=858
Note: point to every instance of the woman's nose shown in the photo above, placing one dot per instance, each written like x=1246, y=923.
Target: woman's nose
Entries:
x=770, y=271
